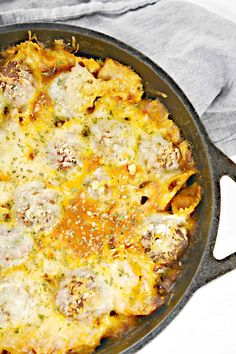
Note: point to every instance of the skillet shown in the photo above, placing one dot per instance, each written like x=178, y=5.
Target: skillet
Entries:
x=199, y=264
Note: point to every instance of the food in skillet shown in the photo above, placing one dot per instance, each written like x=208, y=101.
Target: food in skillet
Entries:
x=95, y=207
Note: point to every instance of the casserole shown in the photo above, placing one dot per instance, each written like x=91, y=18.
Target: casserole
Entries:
x=200, y=266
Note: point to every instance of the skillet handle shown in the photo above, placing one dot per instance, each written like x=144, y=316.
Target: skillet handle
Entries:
x=210, y=267
x=223, y=165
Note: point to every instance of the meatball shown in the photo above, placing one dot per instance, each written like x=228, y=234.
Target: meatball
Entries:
x=132, y=282
x=73, y=91
x=155, y=153
x=17, y=304
x=65, y=155
x=17, y=84
x=114, y=141
x=15, y=245
x=36, y=206
x=164, y=241
x=82, y=295
x=67, y=148
x=168, y=157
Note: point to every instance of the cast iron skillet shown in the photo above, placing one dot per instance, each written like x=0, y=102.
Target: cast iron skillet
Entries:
x=200, y=265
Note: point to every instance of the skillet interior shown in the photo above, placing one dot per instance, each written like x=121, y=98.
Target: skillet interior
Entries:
x=97, y=45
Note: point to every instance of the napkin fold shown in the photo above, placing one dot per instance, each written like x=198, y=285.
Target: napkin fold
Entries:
x=196, y=47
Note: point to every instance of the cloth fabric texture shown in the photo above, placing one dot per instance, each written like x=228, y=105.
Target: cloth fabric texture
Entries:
x=196, y=47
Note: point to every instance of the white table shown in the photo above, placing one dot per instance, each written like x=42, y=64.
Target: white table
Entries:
x=206, y=325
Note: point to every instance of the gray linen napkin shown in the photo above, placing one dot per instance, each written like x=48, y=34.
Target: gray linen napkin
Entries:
x=196, y=47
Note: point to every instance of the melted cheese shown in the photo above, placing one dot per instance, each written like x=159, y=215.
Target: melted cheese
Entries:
x=15, y=245
x=17, y=302
x=36, y=207
x=17, y=83
x=127, y=278
x=93, y=204
x=83, y=295
x=164, y=237
x=73, y=92
x=99, y=185
x=114, y=141
x=67, y=147
x=155, y=153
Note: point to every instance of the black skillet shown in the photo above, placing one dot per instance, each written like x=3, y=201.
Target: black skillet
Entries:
x=199, y=264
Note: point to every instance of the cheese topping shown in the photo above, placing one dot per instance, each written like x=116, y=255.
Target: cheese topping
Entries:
x=66, y=149
x=17, y=84
x=15, y=245
x=83, y=295
x=17, y=304
x=164, y=237
x=74, y=91
x=36, y=206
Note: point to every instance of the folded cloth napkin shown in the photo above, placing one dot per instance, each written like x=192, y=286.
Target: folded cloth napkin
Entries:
x=196, y=47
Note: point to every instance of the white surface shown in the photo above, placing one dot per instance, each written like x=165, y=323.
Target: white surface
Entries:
x=226, y=240
x=207, y=323
x=224, y=8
